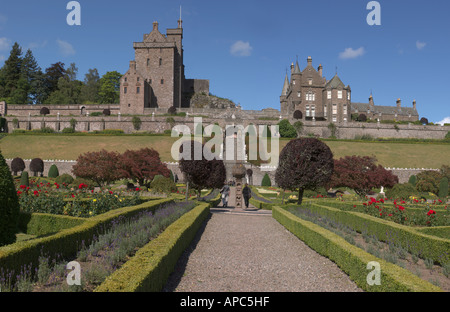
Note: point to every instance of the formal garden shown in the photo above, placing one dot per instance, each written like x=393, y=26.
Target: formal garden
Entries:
x=125, y=220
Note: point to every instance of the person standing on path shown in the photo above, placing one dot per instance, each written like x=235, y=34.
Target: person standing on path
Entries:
x=247, y=193
x=225, y=193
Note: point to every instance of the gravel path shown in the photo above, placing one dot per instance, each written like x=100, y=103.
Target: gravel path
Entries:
x=236, y=252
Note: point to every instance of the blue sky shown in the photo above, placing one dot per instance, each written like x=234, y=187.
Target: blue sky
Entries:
x=245, y=46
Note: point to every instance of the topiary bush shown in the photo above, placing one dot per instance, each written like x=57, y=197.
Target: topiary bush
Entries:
x=107, y=112
x=9, y=207
x=37, y=166
x=401, y=191
x=266, y=181
x=65, y=178
x=412, y=180
x=53, y=172
x=44, y=111
x=17, y=165
x=162, y=184
x=24, y=179
x=443, y=188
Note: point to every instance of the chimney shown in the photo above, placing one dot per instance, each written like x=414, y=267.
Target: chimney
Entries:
x=133, y=65
x=309, y=60
x=155, y=25
x=320, y=70
x=399, y=103
x=414, y=105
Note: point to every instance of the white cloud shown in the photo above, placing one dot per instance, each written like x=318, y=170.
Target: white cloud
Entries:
x=350, y=53
x=420, y=45
x=5, y=43
x=65, y=48
x=446, y=120
x=241, y=48
x=36, y=45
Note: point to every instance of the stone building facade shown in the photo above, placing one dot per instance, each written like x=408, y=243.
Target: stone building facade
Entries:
x=155, y=78
x=316, y=98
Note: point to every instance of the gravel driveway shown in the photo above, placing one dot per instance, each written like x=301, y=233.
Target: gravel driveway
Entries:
x=253, y=253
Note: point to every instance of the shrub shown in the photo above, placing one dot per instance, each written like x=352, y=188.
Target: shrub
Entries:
x=53, y=172
x=76, y=183
x=9, y=208
x=103, y=167
x=107, y=112
x=412, y=180
x=136, y=121
x=44, y=111
x=428, y=181
x=163, y=185
x=45, y=130
x=24, y=179
x=266, y=181
x=401, y=191
x=298, y=125
x=68, y=130
x=286, y=129
x=65, y=178
x=17, y=165
x=172, y=110
x=443, y=188
x=73, y=123
x=362, y=117
x=96, y=114
x=37, y=166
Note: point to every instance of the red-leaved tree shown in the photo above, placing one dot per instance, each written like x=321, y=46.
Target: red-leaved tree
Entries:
x=103, y=167
x=361, y=173
x=142, y=166
x=304, y=163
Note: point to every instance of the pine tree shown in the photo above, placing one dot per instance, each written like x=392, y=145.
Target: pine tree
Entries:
x=11, y=71
x=32, y=73
x=9, y=208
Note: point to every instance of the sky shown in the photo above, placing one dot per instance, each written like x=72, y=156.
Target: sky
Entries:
x=245, y=47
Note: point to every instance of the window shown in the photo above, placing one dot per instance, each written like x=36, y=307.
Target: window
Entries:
x=325, y=111
x=148, y=62
x=137, y=79
x=340, y=94
x=160, y=61
x=348, y=96
x=125, y=79
x=310, y=81
x=313, y=110
x=299, y=94
x=310, y=96
x=138, y=89
x=334, y=109
x=345, y=109
x=334, y=119
x=329, y=95
x=307, y=111
x=162, y=81
x=125, y=90
x=293, y=82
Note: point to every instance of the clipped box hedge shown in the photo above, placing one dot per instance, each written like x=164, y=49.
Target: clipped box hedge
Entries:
x=151, y=266
x=40, y=224
x=351, y=259
x=67, y=242
x=430, y=246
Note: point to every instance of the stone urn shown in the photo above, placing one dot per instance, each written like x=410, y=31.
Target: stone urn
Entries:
x=238, y=173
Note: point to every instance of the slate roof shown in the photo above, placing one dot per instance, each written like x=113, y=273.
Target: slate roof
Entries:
x=385, y=110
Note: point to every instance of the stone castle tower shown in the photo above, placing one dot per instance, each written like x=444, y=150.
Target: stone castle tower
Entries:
x=155, y=78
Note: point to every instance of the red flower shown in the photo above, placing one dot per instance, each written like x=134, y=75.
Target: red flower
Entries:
x=73, y=196
x=429, y=213
x=19, y=192
x=401, y=208
x=137, y=189
x=82, y=186
x=382, y=200
x=23, y=187
x=354, y=206
x=390, y=215
x=111, y=192
x=36, y=193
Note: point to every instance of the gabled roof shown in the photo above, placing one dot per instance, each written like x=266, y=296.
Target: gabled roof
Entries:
x=385, y=110
x=335, y=83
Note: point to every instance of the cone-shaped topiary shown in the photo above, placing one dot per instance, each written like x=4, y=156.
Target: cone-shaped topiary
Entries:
x=24, y=179
x=266, y=181
x=53, y=172
x=443, y=188
x=9, y=205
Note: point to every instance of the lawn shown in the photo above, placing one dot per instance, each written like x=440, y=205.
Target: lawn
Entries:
x=68, y=147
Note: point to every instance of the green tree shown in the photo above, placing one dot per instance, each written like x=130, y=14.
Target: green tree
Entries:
x=136, y=121
x=91, y=87
x=266, y=181
x=428, y=181
x=24, y=179
x=11, y=72
x=110, y=87
x=9, y=208
x=286, y=129
x=53, y=172
x=443, y=188
x=69, y=88
x=33, y=76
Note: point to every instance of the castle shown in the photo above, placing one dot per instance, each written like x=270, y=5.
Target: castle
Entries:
x=155, y=78
x=313, y=97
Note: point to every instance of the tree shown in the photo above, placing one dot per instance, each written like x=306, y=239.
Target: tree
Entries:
x=142, y=166
x=424, y=121
x=103, y=167
x=286, y=129
x=37, y=166
x=110, y=87
x=362, y=174
x=199, y=171
x=17, y=165
x=136, y=121
x=91, y=86
x=11, y=72
x=69, y=88
x=412, y=180
x=298, y=125
x=9, y=207
x=24, y=179
x=52, y=75
x=33, y=76
x=266, y=180
x=107, y=112
x=44, y=111
x=304, y=163
x=428, y=181
x=443, y=188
